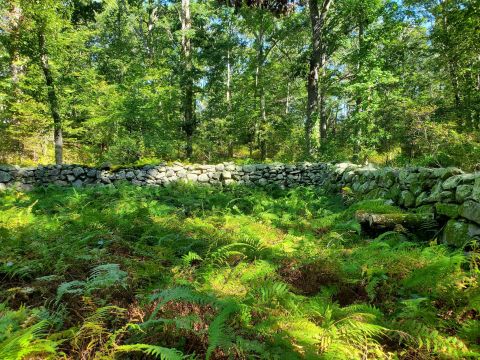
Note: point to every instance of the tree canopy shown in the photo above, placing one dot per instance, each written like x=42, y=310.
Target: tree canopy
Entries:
x=130, y=81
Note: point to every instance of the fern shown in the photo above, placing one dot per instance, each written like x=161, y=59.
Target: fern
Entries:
x=101, y=277
x=19, y=340
x=105, y=276
x=71, y=288
x=391, y=235
x=219, y=333
x=271, y=294
x=221, y=255
x=189, y=258
x=180, y=293
x=94, y=331
x=156, y=351
x=430, y=340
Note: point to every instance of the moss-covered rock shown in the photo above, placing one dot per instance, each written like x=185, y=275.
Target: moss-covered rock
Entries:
x=445, y=173
x=394, y=192
x=463, y=192
x=456, y=233
x=452, y=182
x=424, y=209
x=476, y=189
x=377, y=193
x=407, y=199
x=435, y=194
x=448, y=210
x=471, y=210
x=421, y=199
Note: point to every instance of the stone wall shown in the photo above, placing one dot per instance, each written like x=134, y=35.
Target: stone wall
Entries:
x=452, y=195
x=160, y=175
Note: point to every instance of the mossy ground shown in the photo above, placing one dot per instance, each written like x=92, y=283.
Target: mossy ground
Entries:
x=200, y=272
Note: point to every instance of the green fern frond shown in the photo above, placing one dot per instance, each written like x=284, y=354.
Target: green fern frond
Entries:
x=75, y=287
x=28, y=341
x=180, y=293
x=189, y=258
x=105, y=276
x=428, y=339
x=219, y=333
x=94, y=330
x=391, y=235
x=156, y=351
x=222, y=254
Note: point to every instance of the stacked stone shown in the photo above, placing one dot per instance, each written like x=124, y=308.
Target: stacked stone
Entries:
x=160, y=175
x=448, y=192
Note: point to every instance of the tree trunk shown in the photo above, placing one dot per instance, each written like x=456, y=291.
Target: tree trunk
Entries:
x=287, y=102
x=52, y=98
x=358, y=100
x=152, y=19
x=317, y=20
x=13, y=26
x=322, y=103
x=260, y=92
x=189, y=123
x=229, y=80
x=230, y=149
x=452, y=66
x=372, y=223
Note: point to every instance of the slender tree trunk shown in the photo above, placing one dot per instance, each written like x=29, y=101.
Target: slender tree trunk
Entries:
x=52, y=98
x=452, y=66
x=152, y=19
x=189, y=123
x=230, y=149
x=262, y=134
x=16, y=70
x=358, y=100
x=312, y=81
x=260, y=92
x=478, y=75
x=287, y=102
x=317, y=20
x=322, y=102
x=229, y=79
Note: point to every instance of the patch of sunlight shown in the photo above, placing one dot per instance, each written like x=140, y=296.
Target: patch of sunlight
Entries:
x=226, y=281
x=248, y=227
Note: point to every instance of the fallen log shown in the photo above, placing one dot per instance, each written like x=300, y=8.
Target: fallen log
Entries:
x=376, y=223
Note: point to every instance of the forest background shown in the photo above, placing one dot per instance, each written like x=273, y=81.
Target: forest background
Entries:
x=143, y=81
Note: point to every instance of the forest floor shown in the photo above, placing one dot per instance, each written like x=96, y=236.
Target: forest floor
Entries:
x=198, y=272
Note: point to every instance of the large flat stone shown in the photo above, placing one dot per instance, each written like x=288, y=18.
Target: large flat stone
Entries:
x=471, y=210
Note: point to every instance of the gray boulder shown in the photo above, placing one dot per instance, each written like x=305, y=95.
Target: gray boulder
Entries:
x=78, y=171
x=203, y=178
x=471, y=210
x=463, y=192
x=456, y=233
x=5, y=177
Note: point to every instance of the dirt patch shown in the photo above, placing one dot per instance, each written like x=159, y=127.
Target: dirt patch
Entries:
x=309, y=278
x=348, y=294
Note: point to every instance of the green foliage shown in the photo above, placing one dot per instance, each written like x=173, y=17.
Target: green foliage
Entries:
x=219, y=333
x=102, y=277
x=185, y=272
x=156, y=351
x=399, y=83
x=22, y=335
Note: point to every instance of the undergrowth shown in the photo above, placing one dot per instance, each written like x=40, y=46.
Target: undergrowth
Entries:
x=189, y=272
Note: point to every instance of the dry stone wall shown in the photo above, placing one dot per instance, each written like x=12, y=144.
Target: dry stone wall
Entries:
x=161, y=175
x=452, y=195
